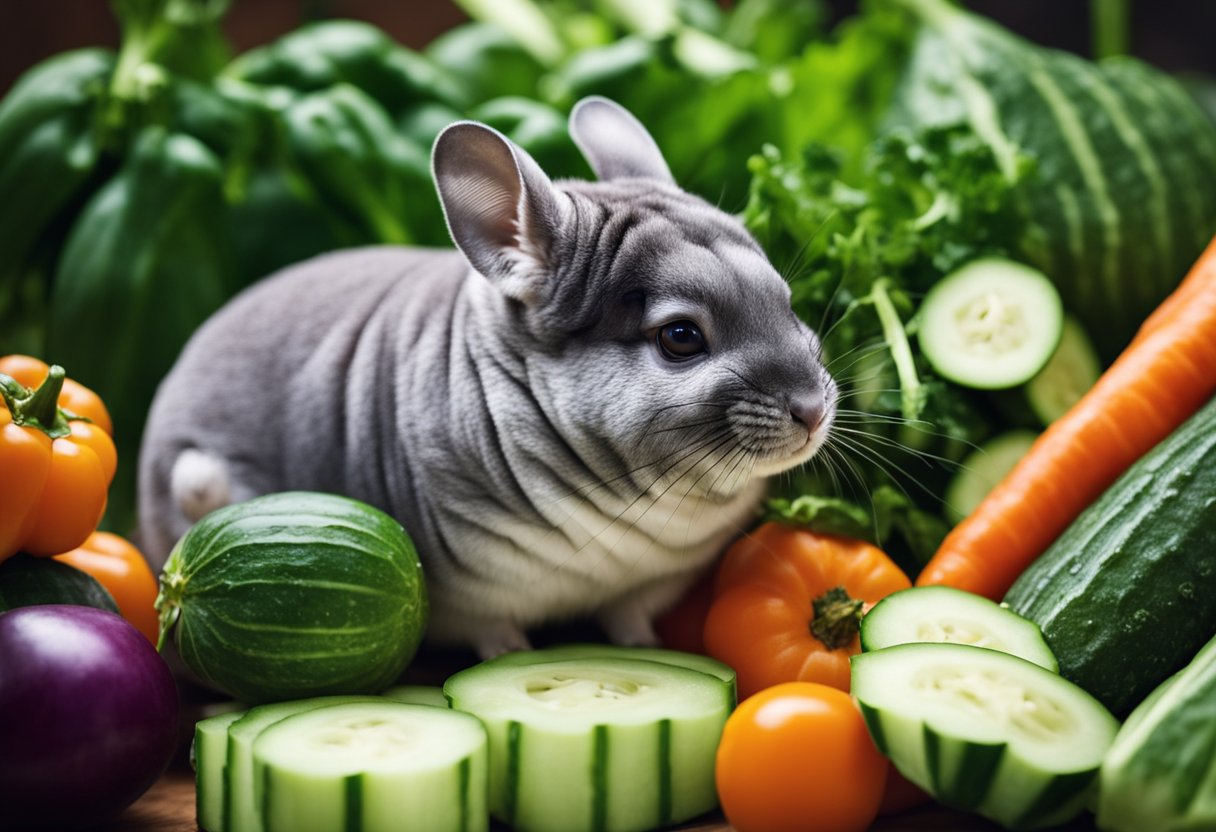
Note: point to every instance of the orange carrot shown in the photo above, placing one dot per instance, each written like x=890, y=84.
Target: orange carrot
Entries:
x=1166, y=374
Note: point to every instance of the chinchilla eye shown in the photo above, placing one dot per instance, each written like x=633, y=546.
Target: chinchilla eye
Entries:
x=681, y=339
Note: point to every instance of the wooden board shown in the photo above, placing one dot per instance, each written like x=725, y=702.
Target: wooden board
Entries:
x=169, y=807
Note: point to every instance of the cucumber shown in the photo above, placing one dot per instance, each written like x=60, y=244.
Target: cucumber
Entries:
x=27, y=581
x=991, y=324
x=944, y=615
x=294, y=595
x=242, y=793
x=209, y=756
x=1160, y=774
x=1072, y=369
x=1124, y=596
x=676, y=658
x=594, y=744
x=373, y=767
x=417, y=695
x=984, y=731
x=981, y=470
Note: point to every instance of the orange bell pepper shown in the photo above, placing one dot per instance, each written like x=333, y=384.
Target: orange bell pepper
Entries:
x=788, y=604
x=57, y=461
x=121, y=569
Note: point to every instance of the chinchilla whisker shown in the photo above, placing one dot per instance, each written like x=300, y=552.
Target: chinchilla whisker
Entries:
x=888, y=442
x=855, y=355
x=682, y=427
x=882, y=464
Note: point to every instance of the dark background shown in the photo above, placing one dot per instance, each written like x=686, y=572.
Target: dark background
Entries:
x=1176, y=35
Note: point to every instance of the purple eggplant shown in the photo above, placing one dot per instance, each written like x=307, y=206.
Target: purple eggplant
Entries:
x=88, y=716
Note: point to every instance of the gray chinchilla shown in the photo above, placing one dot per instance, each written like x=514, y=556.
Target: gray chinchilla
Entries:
x=572, y=414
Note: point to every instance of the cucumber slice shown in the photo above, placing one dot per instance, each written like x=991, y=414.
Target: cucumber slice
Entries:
x=417, y=695
x=944, y=615
x=242, y=792
x=984, y=731
x=676, y=658
x=209, y=755
x=981, y=470
x=991, y=324
x=373, y=767
x=592, y=744
x=1069, y=373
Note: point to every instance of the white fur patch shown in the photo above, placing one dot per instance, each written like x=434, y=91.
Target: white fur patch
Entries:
x=199, y=484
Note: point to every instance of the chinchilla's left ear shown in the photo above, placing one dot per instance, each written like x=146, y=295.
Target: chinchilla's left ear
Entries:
x=614, y=143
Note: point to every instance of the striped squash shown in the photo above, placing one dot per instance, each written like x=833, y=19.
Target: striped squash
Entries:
x=1123, y=194
x=294, y=595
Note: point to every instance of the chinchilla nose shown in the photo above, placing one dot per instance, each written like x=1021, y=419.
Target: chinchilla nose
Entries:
x=808, y=409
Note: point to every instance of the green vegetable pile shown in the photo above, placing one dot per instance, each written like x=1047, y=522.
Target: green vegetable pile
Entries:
x=141, y=189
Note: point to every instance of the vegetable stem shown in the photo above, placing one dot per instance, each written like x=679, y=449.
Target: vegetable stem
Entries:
x=39, y=409
x=837, y=618
x=1110, y=31
x=896, y=339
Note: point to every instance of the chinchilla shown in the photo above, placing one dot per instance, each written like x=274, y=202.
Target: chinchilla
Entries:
x=572, y=414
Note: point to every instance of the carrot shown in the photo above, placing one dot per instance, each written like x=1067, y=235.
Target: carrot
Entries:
x=1166, y=374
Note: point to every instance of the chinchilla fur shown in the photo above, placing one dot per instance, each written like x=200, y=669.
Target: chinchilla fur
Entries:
x=571, y=414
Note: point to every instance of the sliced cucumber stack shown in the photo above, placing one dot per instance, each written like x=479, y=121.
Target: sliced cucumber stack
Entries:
x=944, y=615
x=982, y=469
x=373, y=767
x=991, y=324
x=676, y=658
x=593, y=744
x=210, y=756
x=984, y=731
x=417, y=695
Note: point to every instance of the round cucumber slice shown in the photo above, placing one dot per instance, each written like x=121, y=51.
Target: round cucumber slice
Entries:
x=417, y=695
x=590, y=744
x=982, y=469
x=991, y=324
x=243, y=793
x=944, y=615
x=373, y=767
x=675, y=658
x=1069, y=373
x=984, y=731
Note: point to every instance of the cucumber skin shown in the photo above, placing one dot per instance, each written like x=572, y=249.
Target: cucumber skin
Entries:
x=1160, y=774
x=268, y=573
x=210, y=816
x=1124, y=596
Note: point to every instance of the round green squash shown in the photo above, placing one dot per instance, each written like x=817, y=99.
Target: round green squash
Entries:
x=294, y=595
x=27, y=581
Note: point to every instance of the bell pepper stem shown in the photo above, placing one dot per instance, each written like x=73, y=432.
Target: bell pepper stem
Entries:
x=39, y=409
x=837, y=618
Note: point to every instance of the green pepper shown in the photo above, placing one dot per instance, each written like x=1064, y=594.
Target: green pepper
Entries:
x=486, y=62
x=146, y=262
x=320, y=55
x=345, y=145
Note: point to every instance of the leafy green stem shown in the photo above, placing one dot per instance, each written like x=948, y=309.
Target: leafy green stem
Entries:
x=1110, y=30
x=896, y=339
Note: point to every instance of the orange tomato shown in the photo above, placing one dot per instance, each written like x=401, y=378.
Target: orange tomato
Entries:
x=797, y=758
x=121, y=569
x=788, y=602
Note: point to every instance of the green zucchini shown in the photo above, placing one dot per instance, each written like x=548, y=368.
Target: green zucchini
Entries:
x=27, y=581
x=294, y=595
x=1124, y=597
x=984, y=731
x=373, y=767
x=596, y=744
x=1160, y=774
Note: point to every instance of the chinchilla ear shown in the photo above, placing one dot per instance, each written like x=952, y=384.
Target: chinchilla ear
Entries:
x=614, y=143
x=502, y=211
